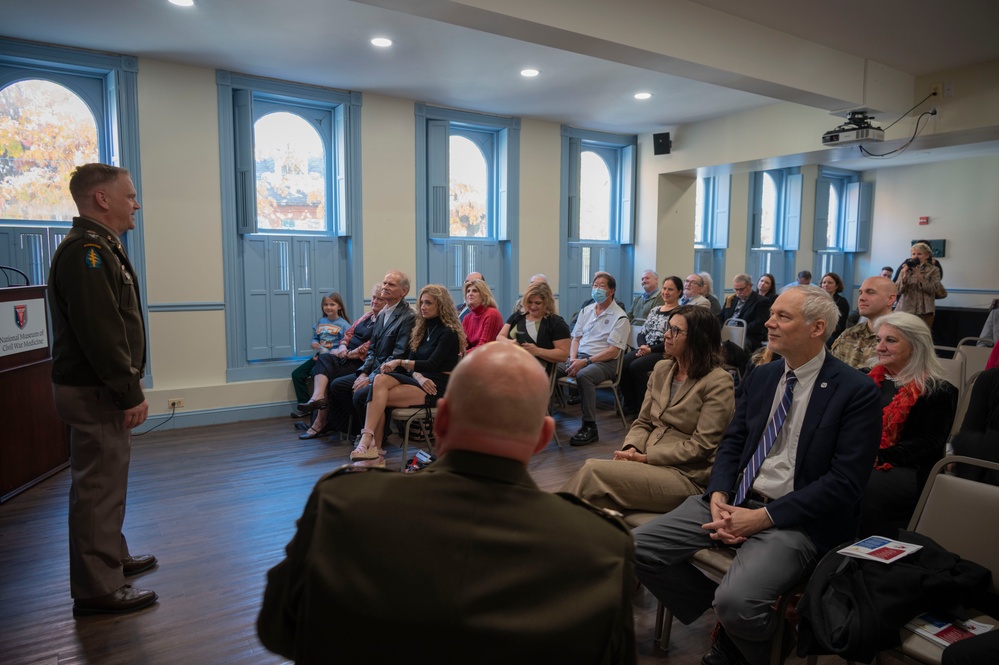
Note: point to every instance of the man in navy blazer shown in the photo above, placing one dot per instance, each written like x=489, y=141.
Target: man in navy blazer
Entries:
x=803, y=500
x=749, y=306
x=389, y=340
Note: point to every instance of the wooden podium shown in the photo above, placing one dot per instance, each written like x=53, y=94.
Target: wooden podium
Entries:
x=34, y=443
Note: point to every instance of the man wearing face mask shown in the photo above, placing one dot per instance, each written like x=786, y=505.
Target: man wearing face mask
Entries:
x=601, y=332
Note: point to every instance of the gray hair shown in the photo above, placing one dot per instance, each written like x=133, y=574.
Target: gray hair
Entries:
x=743, y=278
x=817, y=306
x=923, y=369
x=540, y=276
x=651, y=272
x=709, y=284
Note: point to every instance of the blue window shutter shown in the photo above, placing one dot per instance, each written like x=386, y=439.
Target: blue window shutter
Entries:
x=792, y=211
x=821, y=214
x=501, y=225
x=438, y=179
x=627, y=180
x=857, y=222
x=575, y=150
x=755, y=207
x=256, y=303
x=722, y=195
x=246, y=190
x=341, y=222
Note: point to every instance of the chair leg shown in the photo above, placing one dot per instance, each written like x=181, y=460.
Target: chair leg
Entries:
x=405, y=444
x=664, y=627
x=620, y=408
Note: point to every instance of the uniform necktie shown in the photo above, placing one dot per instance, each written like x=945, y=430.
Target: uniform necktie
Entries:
x=766, y=441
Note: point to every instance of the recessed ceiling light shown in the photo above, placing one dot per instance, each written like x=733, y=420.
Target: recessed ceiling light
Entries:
x=381, y=42
x=182, y=3
x=643, y=95
x=529, y=73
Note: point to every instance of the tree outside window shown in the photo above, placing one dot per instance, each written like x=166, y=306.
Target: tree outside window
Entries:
x=469, y=189
x=290, y=164
x=46, y=131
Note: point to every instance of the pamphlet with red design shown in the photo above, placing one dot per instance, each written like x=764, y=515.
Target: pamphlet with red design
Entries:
x=879, y=548
x=943, y=631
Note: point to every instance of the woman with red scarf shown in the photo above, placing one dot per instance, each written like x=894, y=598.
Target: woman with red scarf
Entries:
x=917, y=412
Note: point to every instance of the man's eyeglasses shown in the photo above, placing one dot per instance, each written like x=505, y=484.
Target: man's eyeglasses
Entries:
x=674, y=331
x=695, y=282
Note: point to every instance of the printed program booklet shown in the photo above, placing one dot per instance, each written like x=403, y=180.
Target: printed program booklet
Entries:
x=944, y=632
x=878, y=548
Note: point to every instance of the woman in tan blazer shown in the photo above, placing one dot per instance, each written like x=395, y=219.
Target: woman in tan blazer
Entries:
x=668, y=453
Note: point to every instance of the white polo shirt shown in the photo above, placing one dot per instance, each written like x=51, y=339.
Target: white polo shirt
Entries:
x=598, y=331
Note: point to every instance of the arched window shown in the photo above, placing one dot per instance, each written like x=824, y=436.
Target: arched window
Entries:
x=595, y=218
x=833, y=220
x=46, y=130
x=290, y=170
x=469, y=189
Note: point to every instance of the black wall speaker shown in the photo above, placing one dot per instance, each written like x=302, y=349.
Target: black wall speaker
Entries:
x=661, y=144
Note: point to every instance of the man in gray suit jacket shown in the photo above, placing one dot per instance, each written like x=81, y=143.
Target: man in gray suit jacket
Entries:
x=389, y=340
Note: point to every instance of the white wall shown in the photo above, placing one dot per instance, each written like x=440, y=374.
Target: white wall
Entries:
x=961, y=198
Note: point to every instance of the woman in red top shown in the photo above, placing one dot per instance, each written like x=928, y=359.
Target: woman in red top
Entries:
x=483, y=321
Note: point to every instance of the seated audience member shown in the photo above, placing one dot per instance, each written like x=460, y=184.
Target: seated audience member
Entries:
x=648, y=299
x=709, y=293
x=600, y=334
x=518, y=306
x=420, y=376
x=668, y=452
x=886, y=271
x=590, y=301
x=483, y=575
x=918, y=284
x=348, y=395
x=343, y=361
x=749, y=306
x=993, y=360
x=539, y=329
x=639, y=362
x=979, y=435
x=832, y=284
x=804, y=279
x=464, y=309
x=991, y=328
x=767, y=287
x=856, y=346
x=918, y=411
x=326, y=336
x=693, y=290
x=788, y=476
x=483, y=321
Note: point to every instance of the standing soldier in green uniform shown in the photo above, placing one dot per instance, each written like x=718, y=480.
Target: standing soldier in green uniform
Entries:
x=99, y=355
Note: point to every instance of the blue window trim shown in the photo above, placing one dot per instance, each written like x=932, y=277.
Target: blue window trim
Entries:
x=120, y=123
x=348, y=184
x=506, y=226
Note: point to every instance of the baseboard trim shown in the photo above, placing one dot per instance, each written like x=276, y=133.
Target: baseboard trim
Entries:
x=182, y=419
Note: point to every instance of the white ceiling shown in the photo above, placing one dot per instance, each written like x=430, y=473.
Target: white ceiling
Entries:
x=438, y=61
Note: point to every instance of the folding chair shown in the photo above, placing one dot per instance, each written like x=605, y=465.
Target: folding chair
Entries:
x=975, y=356
x=407, y=416
x=939, y=515
x=612, y=384
x=734, y=331
x=714, y=563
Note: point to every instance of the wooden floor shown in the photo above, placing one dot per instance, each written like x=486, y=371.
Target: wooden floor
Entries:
x=216, y=505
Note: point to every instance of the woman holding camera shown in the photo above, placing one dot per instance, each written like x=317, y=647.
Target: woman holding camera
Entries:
x=918, y=284
x=537, y=327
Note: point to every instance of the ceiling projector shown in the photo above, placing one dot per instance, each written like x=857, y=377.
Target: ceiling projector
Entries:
x=856, y=129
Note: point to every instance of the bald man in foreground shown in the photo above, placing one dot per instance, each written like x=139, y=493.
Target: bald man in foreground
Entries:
x=466, y=560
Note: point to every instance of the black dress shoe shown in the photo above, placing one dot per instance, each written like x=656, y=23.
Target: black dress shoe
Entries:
x=310, y=434
x=124, y=600
x=586, y=434
x=133, y=565
x=312, y=405
x=723, y=652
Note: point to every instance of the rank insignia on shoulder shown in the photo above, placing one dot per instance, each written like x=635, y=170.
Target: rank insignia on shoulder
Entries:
x=92, y=258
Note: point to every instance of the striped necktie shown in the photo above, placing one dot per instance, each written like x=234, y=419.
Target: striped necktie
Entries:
x=766, y=441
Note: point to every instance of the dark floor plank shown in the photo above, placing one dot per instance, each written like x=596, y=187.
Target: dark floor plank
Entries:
x=217, y=506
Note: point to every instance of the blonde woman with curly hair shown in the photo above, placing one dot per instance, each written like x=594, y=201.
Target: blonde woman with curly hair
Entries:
x=435, y=346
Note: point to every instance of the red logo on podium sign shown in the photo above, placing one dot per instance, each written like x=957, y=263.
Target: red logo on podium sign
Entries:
x=21, y=315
